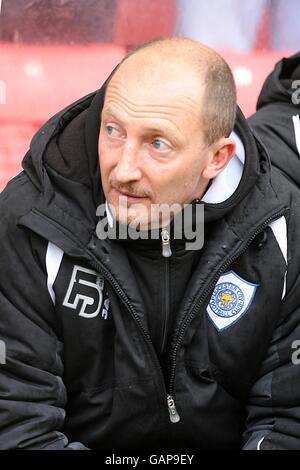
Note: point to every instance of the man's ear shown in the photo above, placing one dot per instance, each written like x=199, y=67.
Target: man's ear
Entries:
x=220, y=154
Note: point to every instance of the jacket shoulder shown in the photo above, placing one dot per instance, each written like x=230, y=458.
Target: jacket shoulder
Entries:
x=17, y=197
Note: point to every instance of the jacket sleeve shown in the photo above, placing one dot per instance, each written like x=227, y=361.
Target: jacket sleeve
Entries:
x=32, y=392
x=273, y=408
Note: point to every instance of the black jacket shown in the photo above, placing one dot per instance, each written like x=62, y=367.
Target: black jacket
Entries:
x=80, y=361
x=277, y=118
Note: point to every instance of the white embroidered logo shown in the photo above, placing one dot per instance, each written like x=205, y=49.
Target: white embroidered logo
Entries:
x=86, y=277
x=230, y=299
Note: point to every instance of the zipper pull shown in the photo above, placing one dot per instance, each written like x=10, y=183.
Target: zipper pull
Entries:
x=174, y=416
x=166, y=249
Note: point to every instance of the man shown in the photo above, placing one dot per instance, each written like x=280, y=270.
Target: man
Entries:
x=122, y=343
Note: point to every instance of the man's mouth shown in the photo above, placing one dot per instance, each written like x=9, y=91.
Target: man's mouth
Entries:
x=123, y=192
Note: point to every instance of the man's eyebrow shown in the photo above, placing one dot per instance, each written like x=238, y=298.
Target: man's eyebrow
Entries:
x=109, y=111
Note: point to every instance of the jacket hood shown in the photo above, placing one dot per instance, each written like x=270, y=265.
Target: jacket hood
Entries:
x=278, y=85
x=63, y=159
x=276, y=121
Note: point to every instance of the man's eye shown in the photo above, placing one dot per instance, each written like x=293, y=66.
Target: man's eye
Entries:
x=112, y=131
x=160, y=145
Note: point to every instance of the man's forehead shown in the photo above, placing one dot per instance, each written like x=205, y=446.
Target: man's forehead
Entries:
x=173, y=106
x=155, y=84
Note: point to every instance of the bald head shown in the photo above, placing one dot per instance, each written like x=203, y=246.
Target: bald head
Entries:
x=180, y=65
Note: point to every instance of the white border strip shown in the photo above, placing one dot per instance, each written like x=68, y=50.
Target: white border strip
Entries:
x=54, y=258
x=259, y=443
x=296, y=122
x=279, y=228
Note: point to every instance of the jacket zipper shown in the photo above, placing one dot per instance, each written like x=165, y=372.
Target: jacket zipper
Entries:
x=188, y=319
x=166, y=248
x=174, y=416
x=166, y=312
x=166, y=253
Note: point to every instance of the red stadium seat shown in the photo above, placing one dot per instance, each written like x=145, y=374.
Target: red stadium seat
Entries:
x=14, y=142
x=250, y=71
x=38, y=81
x=42, y=79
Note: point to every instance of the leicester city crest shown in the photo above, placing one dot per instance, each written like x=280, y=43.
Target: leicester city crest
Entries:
x=231, y=298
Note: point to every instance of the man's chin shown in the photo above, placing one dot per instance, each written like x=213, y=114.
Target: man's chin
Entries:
x=138, y=217
x=134, y=222
x=131, y=215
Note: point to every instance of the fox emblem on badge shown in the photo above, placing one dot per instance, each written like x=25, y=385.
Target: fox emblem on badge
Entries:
x=230, y=300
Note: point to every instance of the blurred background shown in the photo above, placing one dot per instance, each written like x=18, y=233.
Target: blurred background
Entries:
x=52, y=52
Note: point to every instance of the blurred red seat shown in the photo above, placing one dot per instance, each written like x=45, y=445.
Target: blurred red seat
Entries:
x=38, y=81
x=250, y=70
x=42, y=79
x=14, y=142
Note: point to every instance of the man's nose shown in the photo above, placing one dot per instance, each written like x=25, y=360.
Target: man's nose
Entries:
x=128, y=166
